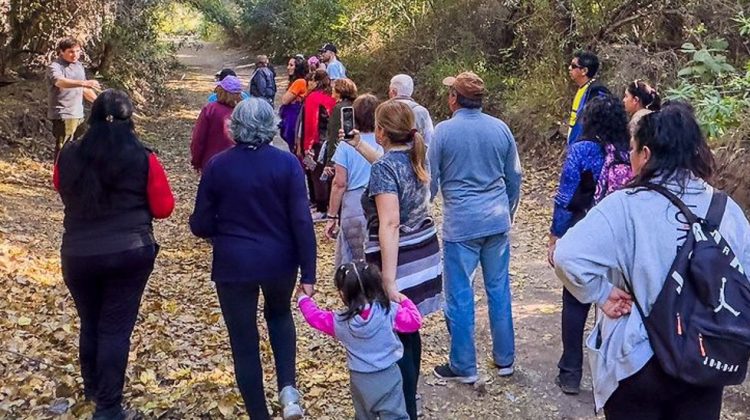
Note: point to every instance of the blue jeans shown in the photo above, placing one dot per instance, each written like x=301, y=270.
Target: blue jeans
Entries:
x=461, y=260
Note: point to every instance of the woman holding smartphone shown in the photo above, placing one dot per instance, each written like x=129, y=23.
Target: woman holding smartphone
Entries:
x=346, y=220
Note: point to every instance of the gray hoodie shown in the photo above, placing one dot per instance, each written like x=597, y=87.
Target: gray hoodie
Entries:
x=371, y=344
x=633, y=236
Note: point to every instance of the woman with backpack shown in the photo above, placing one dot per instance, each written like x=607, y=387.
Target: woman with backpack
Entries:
x=632, y=238
x=596, y=164
x=112, y=188
x=640, y=99
x=316, y=110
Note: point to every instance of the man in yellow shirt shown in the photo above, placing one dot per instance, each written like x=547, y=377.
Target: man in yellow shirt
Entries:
x=582, y=70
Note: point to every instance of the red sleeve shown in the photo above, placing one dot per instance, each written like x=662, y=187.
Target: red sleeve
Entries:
x=310, y=121
x=56, y=177
x=160, y=198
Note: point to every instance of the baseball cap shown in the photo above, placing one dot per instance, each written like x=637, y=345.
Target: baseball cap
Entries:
x=231, y=84
x=468, y=84
x=329, y=47
x=220, y=75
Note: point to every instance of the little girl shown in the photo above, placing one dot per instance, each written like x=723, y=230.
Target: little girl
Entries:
x=367, y=328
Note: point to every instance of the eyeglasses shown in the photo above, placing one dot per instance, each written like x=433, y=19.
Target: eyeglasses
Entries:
x=575, y=66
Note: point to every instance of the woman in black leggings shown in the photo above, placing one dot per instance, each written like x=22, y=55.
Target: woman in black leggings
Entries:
x=112, y=188
x=252, y=204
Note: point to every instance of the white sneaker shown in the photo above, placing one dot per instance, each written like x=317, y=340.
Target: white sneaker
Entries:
x=289, y=398
x=319, y=216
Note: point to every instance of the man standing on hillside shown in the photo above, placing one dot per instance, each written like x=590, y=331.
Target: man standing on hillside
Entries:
x=263, y=80
x=67, y=88
x=474, y=162
x=582, y=70
x=328, y=54
x=401, y=89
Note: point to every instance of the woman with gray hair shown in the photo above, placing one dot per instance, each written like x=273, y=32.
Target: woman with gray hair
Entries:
x=252, y=205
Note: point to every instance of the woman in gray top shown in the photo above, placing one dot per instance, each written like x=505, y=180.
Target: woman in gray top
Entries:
x=402, y=238
x=634, y=235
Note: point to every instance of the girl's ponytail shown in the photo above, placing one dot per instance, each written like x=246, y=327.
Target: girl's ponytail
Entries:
x=418, y=156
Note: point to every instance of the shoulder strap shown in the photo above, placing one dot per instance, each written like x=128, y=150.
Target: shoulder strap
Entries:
x=692, y=218
x=717, y=208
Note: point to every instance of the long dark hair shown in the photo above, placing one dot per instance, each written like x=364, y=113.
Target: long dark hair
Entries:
x=300, y=69
x=605, y=121
x=322, y=81
x=678, y=148
x=108, y=150
x=360, y=285
x=647, y=95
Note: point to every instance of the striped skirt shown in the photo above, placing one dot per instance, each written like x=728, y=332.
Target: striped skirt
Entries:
x=419, y=273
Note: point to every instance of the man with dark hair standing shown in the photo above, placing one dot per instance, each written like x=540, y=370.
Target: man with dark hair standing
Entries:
x=334, y=67
x=582, y=70
x=67, y=88
x=474, y=162
x=263, y=80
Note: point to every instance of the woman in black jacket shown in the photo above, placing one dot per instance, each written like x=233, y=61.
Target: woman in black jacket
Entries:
x=112, y=187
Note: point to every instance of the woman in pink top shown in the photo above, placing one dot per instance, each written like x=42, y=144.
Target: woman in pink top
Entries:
x=367, y=329
x=210, y=135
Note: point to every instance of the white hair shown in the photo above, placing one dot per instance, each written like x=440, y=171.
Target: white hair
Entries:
x=403, y=84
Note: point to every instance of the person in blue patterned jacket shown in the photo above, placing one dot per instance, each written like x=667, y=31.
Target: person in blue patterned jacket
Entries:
x=604, y=122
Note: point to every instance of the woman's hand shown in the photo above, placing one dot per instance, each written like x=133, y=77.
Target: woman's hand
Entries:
x=551, y=245
x=329, y=171
x=400, y=297
x=305, y=290
x=392, y=291
x=618, y=303
x=353, y=140
x=332, y=229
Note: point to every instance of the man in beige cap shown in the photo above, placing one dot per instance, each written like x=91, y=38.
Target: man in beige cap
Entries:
x=475, y=165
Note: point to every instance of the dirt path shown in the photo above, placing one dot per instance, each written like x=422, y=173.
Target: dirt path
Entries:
x=181, y=365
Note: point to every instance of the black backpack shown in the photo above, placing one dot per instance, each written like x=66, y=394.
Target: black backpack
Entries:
x=699, y=325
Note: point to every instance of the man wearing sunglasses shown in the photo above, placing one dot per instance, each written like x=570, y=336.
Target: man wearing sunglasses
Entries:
x=582, y=70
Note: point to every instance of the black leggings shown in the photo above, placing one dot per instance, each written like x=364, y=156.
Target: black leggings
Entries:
x=574, y=314
x=239, y=305
x=651, y=394
x=409, y=366
x=107, y=292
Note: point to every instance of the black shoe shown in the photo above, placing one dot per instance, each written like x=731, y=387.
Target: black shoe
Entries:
x=567, y=387
x=445, y=372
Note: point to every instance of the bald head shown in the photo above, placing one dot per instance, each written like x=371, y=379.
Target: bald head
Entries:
x=401, y=85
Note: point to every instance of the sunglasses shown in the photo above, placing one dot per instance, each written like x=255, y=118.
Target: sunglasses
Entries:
x=575, y=66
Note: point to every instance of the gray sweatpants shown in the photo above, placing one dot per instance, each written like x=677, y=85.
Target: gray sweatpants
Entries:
x=378, y=395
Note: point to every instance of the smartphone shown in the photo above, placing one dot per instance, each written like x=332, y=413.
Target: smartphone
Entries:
x=347, y=121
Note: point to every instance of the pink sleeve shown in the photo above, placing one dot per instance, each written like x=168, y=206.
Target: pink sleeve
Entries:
x=408, y=319
x=317, y=318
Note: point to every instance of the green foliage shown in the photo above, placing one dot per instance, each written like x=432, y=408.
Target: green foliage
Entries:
x=719, y=93
x=179, y=19
x=707, y=62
